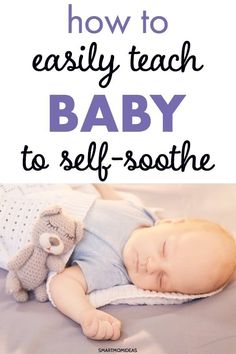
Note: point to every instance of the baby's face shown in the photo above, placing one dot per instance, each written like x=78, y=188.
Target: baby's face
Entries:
x=187, y=256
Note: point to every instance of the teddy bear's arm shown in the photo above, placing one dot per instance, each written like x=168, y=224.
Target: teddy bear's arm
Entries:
x=21, y=257
x=55, y=264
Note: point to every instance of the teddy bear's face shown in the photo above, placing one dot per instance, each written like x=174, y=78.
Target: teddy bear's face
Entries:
x=55, y=232
x=51, y=243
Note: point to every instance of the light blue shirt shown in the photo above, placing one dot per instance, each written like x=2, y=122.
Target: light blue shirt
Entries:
x=108, y=225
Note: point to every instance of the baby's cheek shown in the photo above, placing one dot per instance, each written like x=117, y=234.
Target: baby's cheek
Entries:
x=145, y=282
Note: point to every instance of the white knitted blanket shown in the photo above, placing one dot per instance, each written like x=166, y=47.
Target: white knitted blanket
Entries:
x=131, y=295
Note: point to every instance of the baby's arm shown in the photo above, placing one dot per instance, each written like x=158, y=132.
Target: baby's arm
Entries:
x=107, y=191
x=68, y=292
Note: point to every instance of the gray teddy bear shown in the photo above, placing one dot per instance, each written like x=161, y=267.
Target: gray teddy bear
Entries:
x=54, y=234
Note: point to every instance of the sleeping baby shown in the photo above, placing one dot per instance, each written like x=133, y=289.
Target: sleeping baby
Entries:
x=125, y=244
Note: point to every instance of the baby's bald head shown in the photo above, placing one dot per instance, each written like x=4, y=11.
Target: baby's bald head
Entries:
x=191, y=256
x=218, y=262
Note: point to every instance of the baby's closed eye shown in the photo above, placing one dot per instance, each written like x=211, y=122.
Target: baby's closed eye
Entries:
x=164, y=249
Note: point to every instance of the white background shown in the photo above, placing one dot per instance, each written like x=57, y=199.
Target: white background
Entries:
x=206, y=116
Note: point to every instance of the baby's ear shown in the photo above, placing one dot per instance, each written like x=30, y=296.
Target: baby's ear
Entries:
x=54, y=210
x=79, y=230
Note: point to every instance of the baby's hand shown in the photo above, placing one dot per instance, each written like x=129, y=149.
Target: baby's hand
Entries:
x=99, y=325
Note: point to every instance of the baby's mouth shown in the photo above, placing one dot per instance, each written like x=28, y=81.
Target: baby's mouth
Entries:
x=141, y=267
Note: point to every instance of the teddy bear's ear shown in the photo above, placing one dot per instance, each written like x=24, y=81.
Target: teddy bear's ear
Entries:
x=54, y=210
x=79, y=230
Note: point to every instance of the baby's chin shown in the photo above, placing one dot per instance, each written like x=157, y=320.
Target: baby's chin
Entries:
x=139, y=284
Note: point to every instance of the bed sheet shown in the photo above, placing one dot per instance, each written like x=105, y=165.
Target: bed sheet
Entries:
x=206, y=326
